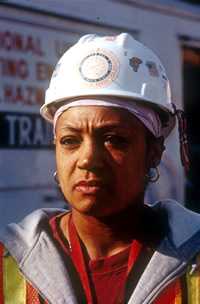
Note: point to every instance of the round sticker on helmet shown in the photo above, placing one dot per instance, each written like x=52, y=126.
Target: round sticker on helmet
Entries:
x=99, y=68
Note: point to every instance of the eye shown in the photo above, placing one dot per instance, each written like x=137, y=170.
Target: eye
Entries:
x=70, y=141
x=117, y=141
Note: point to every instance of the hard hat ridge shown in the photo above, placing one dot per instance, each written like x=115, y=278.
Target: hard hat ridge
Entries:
x=87, y=38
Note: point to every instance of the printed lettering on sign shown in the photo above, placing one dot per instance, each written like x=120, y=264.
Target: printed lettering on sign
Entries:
x=14, y=68
x=23, y=95
x=18, y=42
x=25, y=70
x=25, y=67
x=24, y=131
x=43, y=71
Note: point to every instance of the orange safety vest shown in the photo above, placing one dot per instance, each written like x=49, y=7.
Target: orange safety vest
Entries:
x=15, y=289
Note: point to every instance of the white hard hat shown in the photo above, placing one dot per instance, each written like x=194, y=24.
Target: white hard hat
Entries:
x=112, y=66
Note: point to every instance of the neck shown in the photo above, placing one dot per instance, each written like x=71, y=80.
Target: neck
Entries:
x=105, y=236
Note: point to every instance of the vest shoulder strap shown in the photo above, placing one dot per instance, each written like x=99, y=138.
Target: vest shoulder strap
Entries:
x=13, y=284
x=1, y=273
x=193, y=282
x=14, y=288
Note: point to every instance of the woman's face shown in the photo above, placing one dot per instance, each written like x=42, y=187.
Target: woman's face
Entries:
x=101, y=156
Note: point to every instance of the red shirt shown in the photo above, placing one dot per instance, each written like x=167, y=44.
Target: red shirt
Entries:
x=108, y=276
x=104, y=280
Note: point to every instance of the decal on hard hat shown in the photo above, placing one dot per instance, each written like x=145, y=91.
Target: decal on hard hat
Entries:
x=135, y=63
x=99, y=68
x=152, y=67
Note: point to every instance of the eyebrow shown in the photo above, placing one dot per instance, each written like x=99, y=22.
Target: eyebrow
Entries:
x=71, y=128
x=102, y=127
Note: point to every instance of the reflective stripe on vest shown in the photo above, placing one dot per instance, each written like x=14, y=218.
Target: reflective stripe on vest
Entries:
x=188, y=294
x=14, y=289
x=12, y=278
x=1, y=274
x=193, y=286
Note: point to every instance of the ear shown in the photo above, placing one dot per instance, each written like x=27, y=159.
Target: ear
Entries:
x=155, y=149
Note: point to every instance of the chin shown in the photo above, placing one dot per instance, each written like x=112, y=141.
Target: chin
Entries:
x=89, y=206
x=85, y=205
x=96, y=209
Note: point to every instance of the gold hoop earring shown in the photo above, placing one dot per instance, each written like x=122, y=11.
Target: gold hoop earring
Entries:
x=153, y=175
x=55, y=176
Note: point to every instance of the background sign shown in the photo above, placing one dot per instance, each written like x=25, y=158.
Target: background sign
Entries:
x=24, y=131
x=28, y=54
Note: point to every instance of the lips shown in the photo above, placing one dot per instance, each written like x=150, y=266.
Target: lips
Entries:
x=89, y=186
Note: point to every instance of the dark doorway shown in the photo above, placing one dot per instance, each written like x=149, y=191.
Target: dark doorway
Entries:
x=191, y=83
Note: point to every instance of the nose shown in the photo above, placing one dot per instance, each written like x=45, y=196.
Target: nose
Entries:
x=90, y=156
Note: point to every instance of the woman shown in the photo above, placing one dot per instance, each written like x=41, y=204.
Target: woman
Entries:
x=110, y=105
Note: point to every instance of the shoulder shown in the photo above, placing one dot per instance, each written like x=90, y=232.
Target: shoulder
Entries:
x=183, y=223
x=18, y=238
x=183, y=227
